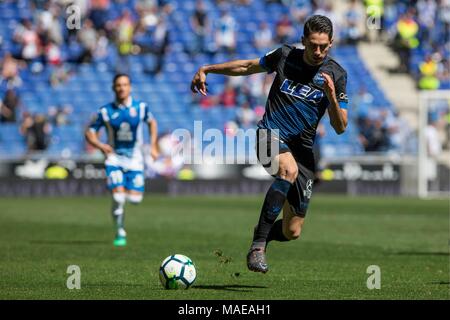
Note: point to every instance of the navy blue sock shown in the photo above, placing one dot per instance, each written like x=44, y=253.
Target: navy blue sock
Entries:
x=273, y=204
x=276, y=232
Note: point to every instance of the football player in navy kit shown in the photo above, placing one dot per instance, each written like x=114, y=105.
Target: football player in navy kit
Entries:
x=308, y=82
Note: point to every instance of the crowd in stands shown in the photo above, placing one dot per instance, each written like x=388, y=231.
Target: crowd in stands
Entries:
x=419, y=32
x=43, y=41
x=36, y=130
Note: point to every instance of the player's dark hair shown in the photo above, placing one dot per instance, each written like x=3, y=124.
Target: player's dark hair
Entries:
x=119, y=75
x=318, y=24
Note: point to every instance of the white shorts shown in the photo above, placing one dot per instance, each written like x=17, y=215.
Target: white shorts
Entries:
x=135, y=163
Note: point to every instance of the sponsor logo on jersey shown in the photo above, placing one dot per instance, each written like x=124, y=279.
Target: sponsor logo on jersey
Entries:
x=301, y=91
x=343, y=97
x=124, y=133
x=115, y=115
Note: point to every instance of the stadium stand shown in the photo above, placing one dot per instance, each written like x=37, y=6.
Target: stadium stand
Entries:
x=61, y=76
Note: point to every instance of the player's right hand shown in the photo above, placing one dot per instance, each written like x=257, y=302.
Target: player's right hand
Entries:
x=198, y=83
x=154, y=153
x=106, y=149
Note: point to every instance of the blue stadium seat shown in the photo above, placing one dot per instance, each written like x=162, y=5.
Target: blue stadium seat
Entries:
x=169, y=95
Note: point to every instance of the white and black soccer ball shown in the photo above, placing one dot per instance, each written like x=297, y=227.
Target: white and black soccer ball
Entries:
x=177, y=272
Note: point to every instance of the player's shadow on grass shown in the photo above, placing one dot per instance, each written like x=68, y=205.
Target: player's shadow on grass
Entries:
x=441, y=282
x=229, y=287
x=69, y=242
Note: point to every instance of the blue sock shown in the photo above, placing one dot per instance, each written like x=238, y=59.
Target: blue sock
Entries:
x=273, y=204
x=276, y=232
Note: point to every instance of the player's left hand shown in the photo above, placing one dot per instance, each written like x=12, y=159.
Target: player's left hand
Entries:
x=328, y=86
x=154, y=153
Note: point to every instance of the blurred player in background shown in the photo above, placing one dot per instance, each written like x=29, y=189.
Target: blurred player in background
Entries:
x=123, y=119
x=307, y=84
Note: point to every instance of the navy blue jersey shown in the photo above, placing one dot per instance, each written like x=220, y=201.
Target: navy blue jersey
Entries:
x=296, y=101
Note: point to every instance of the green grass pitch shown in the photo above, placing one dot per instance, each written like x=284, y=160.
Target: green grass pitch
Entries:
x=407, y=238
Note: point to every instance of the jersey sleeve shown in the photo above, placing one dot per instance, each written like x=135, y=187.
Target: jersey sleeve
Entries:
x=148, y=115
x=339, y=76
x=341, y=91
x=98, y=122
x=270, y=61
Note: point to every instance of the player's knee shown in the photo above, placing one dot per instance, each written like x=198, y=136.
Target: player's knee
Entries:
x=119, y=197
x=292, y=233
x=288, y=168
x=135, y=198
x=290, y=174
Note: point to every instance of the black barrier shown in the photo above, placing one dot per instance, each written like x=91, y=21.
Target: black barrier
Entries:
x=78, y=178
x=16, y=187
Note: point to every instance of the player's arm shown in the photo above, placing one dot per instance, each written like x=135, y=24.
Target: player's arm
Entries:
x=231, y=68
x=153, y=129
x=338, y=115
x=92, y=136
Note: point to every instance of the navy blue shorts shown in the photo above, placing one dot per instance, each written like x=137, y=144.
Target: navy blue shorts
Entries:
x=268, y=146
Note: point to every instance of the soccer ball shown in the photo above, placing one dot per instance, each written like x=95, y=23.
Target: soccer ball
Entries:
x=177, y=272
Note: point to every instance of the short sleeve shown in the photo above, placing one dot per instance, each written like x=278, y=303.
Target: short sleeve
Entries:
x=270, y=61
x=341, y=91
x=98, y=122
x=148, y=115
